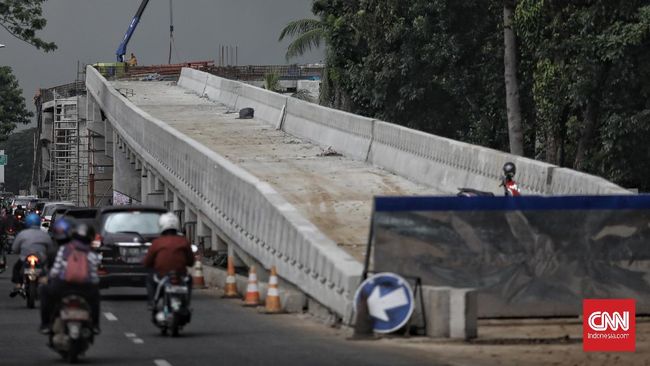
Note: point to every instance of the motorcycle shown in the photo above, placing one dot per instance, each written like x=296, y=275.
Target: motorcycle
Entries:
x=32, y=271
x=171, y=303
x=9, y=238
x=72, y=332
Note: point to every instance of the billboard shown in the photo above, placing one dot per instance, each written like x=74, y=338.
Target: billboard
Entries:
x=528, y=256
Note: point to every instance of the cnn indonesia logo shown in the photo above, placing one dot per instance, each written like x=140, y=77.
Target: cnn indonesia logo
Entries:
x=608, y=325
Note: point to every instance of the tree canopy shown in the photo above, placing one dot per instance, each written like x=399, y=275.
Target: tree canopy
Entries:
x=438, y=66
x=12, y=104
x=22, y=19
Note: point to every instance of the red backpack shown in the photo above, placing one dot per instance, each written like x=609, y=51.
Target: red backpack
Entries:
x=77, y=268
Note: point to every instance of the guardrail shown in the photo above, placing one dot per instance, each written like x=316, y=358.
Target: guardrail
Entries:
x=424, y=158
x=247, y=210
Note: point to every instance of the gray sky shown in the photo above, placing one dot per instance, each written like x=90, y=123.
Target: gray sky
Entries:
x=90, y=30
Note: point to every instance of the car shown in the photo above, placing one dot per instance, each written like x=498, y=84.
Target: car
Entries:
x=48, y=211
x=27, y=202
x=83, y=215
x=58, y=213
x=124, y=236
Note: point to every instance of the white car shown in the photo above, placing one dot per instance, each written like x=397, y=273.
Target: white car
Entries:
x=49, y=209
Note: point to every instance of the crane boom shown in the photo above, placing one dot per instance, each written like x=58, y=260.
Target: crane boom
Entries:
x=121, y=50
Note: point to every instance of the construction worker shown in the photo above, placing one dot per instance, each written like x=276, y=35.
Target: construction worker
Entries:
x=132, y=60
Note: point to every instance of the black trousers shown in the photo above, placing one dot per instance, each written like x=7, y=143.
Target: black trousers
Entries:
x=52, y=293
x=17, y=274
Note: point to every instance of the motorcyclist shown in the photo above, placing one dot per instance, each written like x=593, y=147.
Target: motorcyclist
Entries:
x=32, y=240
x=509, y=185
x=19, y=212
x=62, y=234
x=169, y=252
x=59, y=279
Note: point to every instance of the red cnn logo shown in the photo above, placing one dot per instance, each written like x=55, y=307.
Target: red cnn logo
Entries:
x=608, y=325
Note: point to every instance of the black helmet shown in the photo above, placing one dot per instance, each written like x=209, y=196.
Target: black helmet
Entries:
x=84, y=233
x=509, y=169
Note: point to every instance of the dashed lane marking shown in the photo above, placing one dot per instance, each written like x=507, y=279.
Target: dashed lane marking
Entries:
x=129, y=335
x=161, y=363
x=110, y=317
x=138, y=340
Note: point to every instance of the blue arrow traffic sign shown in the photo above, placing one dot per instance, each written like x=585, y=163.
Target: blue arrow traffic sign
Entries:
x=390, y=301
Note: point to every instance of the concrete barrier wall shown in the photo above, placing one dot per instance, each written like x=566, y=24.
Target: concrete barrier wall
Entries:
x=247, y=210
x=449, y=164
x=348, y=134
x=424, y=158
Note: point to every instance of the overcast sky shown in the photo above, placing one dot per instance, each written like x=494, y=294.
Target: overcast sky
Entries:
x=89, y=31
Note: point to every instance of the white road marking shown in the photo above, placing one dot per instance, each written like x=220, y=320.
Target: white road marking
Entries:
x=162, y=363
x=138, y=340
x=129, y=335
x=110, y=317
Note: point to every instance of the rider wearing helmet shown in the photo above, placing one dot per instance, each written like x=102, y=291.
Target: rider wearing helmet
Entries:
x=32, y=240
x=509, y=184
x=62, y=230
x=169, y=252
x=82, y=279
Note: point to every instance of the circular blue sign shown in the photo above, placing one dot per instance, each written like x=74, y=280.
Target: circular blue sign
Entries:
x=390, y=301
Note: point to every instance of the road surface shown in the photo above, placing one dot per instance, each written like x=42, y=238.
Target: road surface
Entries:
x=222, y=332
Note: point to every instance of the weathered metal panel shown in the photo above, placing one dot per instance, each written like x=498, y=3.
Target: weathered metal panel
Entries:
x=529, y=256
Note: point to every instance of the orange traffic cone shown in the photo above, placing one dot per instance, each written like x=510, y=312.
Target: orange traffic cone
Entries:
x=230, y=290
x=252, y=292
x=198, y=281
x=273, y=305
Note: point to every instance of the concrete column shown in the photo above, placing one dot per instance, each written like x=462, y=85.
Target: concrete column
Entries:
x=190, y=224
x=144, y=185
x=126, y=179
x=169, y=199
x=155, y=196
x=108, y=138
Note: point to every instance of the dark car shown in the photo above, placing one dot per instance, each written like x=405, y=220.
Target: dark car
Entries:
x=86, y=215
x=58, y=213
x=125, y=233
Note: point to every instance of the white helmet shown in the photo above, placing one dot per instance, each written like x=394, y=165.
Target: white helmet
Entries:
x=168, y=221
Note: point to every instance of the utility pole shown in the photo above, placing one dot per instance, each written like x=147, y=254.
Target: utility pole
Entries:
x=171, y=31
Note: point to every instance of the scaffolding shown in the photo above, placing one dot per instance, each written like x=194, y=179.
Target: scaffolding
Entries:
x=69, y=154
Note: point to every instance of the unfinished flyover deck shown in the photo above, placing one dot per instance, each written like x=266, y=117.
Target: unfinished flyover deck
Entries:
x=332, y=191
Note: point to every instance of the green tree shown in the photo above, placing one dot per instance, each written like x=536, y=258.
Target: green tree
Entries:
x=272, y=82
x=587, y=61
x=306, y=34
x=20, y=150
x=417, y=63
x=22, y=19
x=12, y=103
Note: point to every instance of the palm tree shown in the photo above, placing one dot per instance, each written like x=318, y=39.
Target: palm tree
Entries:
x=307, y=33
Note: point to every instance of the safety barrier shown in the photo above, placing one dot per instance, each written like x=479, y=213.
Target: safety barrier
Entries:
x=250, y=212
x=424, y=158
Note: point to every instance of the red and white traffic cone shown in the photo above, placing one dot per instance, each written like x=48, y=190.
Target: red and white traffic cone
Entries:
x=230, y=290
x=252, y=291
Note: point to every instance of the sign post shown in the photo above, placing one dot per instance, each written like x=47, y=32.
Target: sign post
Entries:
x=389, y=299
x=3, y=162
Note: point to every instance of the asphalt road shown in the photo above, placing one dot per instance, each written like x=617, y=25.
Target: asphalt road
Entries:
x=222, y=332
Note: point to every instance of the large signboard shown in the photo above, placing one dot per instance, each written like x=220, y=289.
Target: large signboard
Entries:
x=529, y=256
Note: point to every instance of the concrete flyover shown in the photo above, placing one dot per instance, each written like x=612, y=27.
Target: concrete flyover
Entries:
x=293, y=186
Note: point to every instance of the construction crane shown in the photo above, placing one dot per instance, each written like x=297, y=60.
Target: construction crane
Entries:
x=121, y=50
